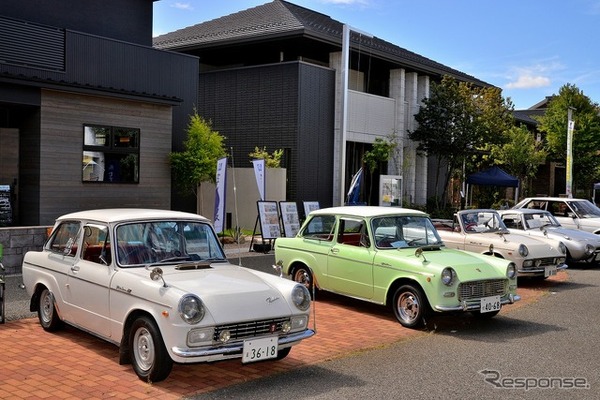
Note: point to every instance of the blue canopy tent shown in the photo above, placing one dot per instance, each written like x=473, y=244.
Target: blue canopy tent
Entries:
x=494, y=176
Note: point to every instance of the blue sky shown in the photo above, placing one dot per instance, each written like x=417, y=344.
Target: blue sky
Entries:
x=529, y=48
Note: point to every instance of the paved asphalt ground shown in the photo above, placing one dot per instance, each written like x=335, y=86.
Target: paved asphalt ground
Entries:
x=359, y=352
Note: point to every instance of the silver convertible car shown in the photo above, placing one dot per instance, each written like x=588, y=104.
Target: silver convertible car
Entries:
x=581, y=246
x=157, y=284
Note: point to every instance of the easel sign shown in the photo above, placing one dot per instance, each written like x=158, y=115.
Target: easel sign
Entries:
x=310, y=206
x=268, y=215
x=289, y=218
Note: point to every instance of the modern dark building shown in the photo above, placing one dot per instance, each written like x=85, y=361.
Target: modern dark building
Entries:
x=281, y=76
x=89, y=110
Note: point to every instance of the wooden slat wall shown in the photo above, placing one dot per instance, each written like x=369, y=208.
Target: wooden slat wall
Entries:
x=62, y=119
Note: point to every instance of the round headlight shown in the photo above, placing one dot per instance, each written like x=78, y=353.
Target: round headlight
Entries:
x=301, y=297
x=448, y=275
x=523, y=251
x=562, y=248
x=191, y=309
x=511, y=270
x=589, y=249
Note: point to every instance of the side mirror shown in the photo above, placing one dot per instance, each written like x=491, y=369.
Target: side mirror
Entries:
x=157, y=274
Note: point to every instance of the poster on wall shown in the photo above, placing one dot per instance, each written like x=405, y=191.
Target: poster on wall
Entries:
x=310, y=206
x=289, y=218
x=268, y=214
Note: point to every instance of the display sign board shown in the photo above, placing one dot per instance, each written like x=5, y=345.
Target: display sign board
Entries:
x=268, y=215
x=310, y=206
x=289, y=218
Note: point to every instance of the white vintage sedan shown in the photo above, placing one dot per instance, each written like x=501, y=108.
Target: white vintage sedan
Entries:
x=157, y=284
x=482, y=231
x=581, y=246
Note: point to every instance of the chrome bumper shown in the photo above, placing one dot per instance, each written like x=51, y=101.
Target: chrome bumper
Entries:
x=229, y=350
x=464, y=306
x=539, y=271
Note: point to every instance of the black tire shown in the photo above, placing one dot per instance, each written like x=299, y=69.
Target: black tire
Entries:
x=47, y=314
x=283, y=353
x=304, y=276
x=149, y=357
x=485, y=315
x=410, y=306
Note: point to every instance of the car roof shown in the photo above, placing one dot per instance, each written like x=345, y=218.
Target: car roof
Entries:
x=552, y=199
x=523, y=211
x=112, y=215
x=367, y=211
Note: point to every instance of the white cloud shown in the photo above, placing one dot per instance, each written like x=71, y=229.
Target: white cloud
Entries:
x=534, y=76
x=183, y=6
x=528, y=82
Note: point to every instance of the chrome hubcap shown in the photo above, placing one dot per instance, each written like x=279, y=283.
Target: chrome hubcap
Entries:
x=408, y=307
x=144, y=349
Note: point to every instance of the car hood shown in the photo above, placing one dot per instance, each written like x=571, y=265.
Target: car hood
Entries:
x=232, y=293
x=571, y=234
x=468, y=266
x=511, y=241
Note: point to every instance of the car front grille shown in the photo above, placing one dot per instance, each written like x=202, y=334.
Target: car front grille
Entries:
x=542, y=262
x=244, y=330
x=479, y=289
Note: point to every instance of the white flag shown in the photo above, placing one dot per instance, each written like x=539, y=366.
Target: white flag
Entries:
x=259, y=172
x=221, y=184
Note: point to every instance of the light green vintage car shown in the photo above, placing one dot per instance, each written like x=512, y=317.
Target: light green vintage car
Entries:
x=394, y=256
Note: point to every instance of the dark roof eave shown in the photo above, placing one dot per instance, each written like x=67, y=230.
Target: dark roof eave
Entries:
x=98, y=91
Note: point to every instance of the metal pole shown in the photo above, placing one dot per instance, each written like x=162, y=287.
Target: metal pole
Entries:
x=343, y=132
x=569, y=171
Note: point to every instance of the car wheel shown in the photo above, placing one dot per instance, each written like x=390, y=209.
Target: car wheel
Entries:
x=283, y=353
x=410, y=306
x=149, y=356
x=485, y=315
x=303, y=276
x=47, y=314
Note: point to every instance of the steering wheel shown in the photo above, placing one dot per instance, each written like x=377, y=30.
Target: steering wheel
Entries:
x=470, y=227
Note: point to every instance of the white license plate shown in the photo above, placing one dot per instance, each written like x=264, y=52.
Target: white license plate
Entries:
x=550, y=270
x=489, y=304
x=259, y=349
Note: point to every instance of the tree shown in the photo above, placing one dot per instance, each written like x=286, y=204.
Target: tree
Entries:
x=459, y=121
x=586, y=135
x=198, y=162
x=520, y=154
x=380, y=152
x=271, y=160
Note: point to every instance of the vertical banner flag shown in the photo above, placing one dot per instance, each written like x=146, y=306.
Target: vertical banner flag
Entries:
x=221, y=184
x=259, y=172
x=354, y=192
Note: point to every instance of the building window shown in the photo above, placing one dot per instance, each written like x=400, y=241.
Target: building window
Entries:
x=110, y=154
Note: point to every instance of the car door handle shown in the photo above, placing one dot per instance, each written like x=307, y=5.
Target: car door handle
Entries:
x=75, y=268
x=334, y=251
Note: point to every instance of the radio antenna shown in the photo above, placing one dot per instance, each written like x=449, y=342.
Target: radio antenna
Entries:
x=237, y=230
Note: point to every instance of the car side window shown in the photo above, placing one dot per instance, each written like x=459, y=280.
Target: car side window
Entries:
x=353, y=232
x=64, y=239
x=558, y=208
x=96, y=244
x=320, y=227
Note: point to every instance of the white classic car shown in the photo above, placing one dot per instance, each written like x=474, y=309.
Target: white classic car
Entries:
x=482, y=231
x=581, y=246
x=579, y=214
x=157, y=284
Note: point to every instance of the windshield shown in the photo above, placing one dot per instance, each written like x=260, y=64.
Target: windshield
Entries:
x=166, y=241
x=584, y=209
x=482, y=222
x=539, y=220
x=404, y=231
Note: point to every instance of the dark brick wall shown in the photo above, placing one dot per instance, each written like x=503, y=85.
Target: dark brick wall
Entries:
x=280, y=106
